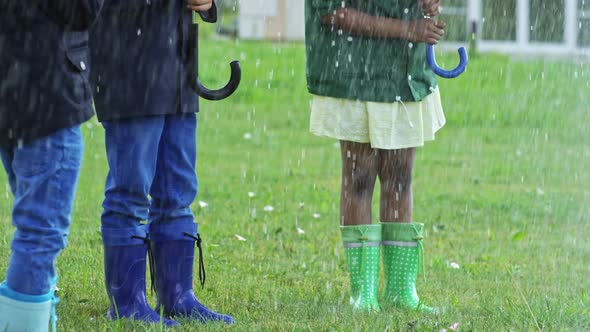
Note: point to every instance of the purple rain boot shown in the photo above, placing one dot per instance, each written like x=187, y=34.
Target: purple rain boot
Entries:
x=174, y=253
x=125, y=253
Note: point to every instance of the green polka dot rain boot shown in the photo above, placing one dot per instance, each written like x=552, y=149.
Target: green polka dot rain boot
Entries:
x=402, y=259
x=362, y=248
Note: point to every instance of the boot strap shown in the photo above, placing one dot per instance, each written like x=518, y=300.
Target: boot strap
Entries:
x=418, y=238
x=198, y=242
x=151, y=259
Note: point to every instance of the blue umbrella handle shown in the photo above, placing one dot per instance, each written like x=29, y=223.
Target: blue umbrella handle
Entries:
x=430, y=59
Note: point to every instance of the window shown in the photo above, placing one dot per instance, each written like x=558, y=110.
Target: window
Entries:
x=455, y=15
x=499, y=20
x=584, y=23
x=547, y=21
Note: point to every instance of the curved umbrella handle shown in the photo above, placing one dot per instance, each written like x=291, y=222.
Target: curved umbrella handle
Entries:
x=193, y=71
x=226, y=91
x=430, y=59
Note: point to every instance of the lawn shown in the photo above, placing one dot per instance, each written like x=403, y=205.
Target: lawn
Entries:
x=503, y=191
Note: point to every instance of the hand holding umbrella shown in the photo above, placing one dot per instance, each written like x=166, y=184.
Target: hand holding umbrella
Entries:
x=431, y=8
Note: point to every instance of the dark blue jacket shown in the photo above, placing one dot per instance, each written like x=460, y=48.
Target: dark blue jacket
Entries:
x=44, y=67
x=139, y=57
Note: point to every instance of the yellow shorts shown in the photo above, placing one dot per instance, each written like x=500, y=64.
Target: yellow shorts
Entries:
x=387, y=126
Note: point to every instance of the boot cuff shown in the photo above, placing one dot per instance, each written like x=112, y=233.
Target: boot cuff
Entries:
x=173, y=231
x=115, y=237
x=8, y=292
x=361, y=233
x=405, y=232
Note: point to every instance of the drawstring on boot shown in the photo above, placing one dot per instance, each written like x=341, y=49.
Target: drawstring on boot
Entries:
x=363, y=239
x=198, y=241
x=152, y=262
x=418, y=238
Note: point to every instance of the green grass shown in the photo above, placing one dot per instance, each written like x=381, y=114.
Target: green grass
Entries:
x=503, y=192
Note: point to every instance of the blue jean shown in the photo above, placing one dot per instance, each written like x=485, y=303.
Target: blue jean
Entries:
x=151, y=175
x=43, y=176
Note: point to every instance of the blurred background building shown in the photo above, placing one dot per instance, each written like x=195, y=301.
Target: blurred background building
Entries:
x=549, y=27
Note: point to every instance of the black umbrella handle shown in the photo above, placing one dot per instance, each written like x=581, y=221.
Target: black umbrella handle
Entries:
x=193, y=71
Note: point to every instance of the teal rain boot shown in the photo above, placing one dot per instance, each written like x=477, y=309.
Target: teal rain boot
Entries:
x=26, y=313
x=402, y=260
x=362, y=248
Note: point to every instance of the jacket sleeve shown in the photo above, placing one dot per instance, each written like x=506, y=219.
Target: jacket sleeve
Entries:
x=210, y=16
x=75, y=15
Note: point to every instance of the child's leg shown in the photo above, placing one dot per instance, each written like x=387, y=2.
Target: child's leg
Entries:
x=175, y=181
x=42, y=177
x=45, y=175
x=359, y=173
x=132, y=149
x=361, y=238
x=173, y=232
x=395, y=176
x=401, y=238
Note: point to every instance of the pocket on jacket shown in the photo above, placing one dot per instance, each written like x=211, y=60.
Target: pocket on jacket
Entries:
x=79, y=69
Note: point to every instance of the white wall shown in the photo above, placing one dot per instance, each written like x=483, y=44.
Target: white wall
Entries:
x=295, y=27
x=271, y=19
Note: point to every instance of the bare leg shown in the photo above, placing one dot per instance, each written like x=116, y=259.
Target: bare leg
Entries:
x=395, y=175
x=359, y=173
x=401, y=238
